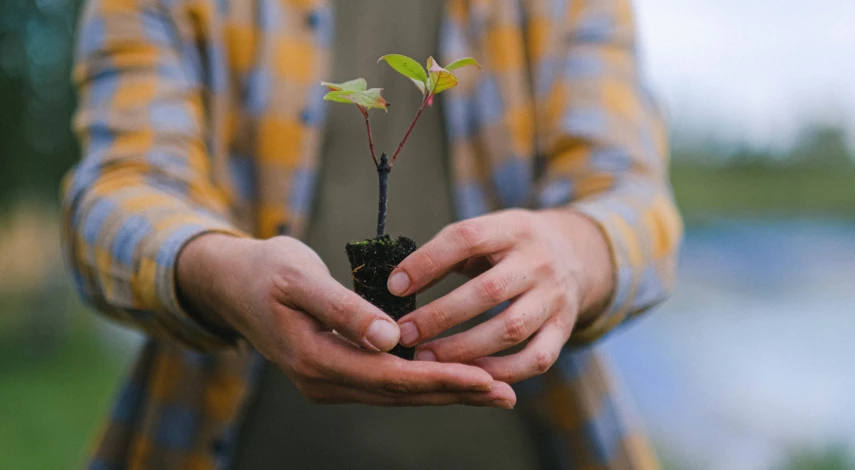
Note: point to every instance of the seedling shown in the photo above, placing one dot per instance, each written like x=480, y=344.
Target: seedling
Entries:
x=372, y=260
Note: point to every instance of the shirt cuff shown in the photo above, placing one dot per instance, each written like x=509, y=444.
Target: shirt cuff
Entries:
x=623, y=253
x=156, y=284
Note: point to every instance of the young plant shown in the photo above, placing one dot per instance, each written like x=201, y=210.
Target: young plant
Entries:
x=372, y=260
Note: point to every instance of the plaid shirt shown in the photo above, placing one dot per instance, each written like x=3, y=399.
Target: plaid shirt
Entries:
x=206, y=115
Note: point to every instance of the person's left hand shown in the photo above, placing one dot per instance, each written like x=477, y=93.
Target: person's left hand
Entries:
x=553, y=266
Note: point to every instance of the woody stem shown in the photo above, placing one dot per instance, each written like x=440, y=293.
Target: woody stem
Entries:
x=383, y=170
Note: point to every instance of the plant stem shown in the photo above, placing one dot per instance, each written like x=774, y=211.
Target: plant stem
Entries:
x=383, y=170
x=370, y=137
x=384, y=166
x=410, y=129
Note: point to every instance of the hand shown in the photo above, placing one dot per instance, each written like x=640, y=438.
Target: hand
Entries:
x=278, y=294
x=553, y=266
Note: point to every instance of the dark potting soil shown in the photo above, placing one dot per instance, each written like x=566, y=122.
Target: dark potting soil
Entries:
x=371, y=262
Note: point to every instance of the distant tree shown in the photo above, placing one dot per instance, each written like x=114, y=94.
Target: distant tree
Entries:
x=36, y=98
x=818, y=145
x=833, y=457
x=822, y=145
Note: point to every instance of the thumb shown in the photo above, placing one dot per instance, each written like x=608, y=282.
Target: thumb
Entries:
x=353, y=317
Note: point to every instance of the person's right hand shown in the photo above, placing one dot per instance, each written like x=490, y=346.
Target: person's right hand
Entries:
x=279, y=295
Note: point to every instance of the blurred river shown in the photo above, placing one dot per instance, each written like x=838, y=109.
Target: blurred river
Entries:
x=751, y=358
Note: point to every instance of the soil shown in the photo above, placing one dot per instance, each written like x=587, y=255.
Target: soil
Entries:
x=371, y=262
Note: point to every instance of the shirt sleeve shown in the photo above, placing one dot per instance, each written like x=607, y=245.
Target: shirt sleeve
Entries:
x=607, y=156
x=143, y=188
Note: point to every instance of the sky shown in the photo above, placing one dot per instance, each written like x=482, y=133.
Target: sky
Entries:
x=751, y=71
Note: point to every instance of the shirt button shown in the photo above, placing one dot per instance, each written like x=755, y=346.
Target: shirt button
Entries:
x=219, y=446
x=313, y=19
x=306, y=116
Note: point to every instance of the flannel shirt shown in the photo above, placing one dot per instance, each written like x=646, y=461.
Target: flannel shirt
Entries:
x=206, y=115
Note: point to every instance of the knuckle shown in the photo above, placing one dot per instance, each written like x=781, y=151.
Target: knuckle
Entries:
x=470, y=234
x=346, y=310
x=423, y=261
x=283, y=283
x=399, y=387
x=452, y=350
x=305, y=368
x=561, y=298
x=545, y=268
x=288, y=283
x=494, y=288
x=565, y=327
x=395, y=383
x=524, y=227
x=542, y=361
x=505, y=373
x=516, y=330
x=440, y=320
x=344, y=314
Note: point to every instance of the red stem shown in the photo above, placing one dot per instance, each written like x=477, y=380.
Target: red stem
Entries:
x=410, y=129
x=370, y=138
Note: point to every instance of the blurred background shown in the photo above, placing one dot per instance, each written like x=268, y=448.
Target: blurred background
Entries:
x=745, y=368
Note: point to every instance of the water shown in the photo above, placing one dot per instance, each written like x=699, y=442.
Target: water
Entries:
x=752, y=357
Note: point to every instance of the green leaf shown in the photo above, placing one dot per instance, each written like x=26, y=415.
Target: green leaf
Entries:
x=422, y=86
x=439, y=79
x=462, y=63
x=366, y=99
x=357, y=84
x=405, y=66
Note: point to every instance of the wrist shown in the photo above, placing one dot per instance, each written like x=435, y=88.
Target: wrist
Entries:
x=203, y=268
x=590, y=249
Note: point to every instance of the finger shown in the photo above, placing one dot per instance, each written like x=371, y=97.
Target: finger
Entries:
x=510, y=328
x=347, y=313
x=501, y=396
x=455, y=243
x=505, y=281
x=535, y=359
x=272, y=339
x=335, y=361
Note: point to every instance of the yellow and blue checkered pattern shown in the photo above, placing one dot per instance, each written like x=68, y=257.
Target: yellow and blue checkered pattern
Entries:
x=206, y=115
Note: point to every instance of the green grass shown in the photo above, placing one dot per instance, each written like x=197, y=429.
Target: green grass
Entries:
x=761, y=191
x=53, y=401
x=830, y=457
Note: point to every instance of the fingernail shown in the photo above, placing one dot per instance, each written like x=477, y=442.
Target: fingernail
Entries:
x=398, y=283
x=382, y=334
x=426, y=356
x=483, y=388
x=409, y=333
x=501, y=403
